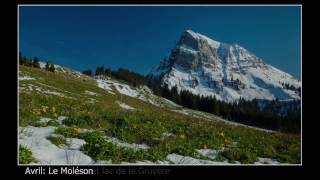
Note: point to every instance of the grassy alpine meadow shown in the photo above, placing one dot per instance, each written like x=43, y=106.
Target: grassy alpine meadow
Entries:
x=53, y=95
x=25, y=155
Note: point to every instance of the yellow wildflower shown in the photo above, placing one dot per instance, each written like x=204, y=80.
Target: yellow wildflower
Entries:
x=222, y=134
x=76, y=129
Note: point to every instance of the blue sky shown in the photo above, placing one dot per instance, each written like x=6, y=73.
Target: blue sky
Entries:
x=138, y=38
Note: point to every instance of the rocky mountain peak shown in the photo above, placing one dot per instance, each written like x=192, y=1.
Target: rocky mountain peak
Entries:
x=228, y=71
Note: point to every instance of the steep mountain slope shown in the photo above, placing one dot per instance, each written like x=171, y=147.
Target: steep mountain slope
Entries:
x=227, y=71
x=69, y=118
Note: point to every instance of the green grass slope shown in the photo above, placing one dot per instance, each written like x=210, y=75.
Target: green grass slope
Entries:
x=61, y=94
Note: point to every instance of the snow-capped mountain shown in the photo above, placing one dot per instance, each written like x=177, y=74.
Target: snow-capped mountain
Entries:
x=227, y=71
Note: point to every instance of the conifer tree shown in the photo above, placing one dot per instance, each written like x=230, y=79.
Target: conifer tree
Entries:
x=28, y=62
x=87, y=72
x=99, y=71
x=35, y=62
x=20, y=59
x=47, y=67
x=52, y=68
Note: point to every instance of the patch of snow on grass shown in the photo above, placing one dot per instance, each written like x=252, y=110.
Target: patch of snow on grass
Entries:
x=104, y=161
x=126, y=90
x=75, y=143
x=34, y=138
x=120, y=87
x=45, y=119
x=106, y=85
x=110, y=92
x=53, y=93
x=21, y=89
x=61, y=119
x=58, y=89
x=167, y=134
x=90, y=93
x=22, y=78
x=209, y=153
x=146, y=162
x=125, y=106
x=266, y=161
x=127, y=145
x=92, y=101
x=182, y=111
x=83, y=130
x=42, y=64
x=143, y=93
x=32, y=87
x=179, y=159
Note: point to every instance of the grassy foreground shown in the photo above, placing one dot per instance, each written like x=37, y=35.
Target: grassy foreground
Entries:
x=58, y=94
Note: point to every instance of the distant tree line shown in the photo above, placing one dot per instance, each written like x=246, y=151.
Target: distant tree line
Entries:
x=291, y=87
x=243, y=111
x=130, y=77
x=247, y=112
x=35, y=63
